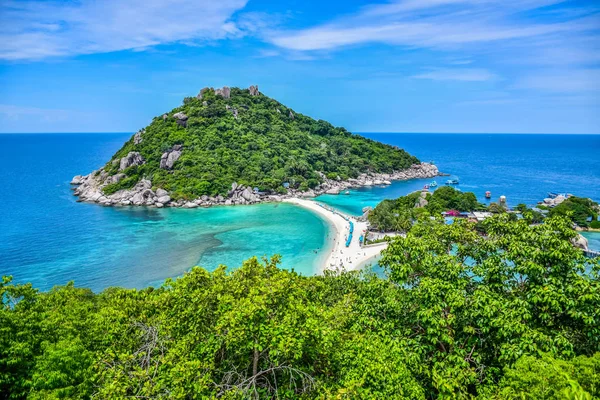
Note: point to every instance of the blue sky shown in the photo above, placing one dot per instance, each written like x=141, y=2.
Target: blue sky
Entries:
x=530, y=66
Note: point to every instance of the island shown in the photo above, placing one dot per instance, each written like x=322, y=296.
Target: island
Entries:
x=232, y=146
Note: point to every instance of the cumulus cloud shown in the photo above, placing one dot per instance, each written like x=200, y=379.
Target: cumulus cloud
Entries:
x=35, y=29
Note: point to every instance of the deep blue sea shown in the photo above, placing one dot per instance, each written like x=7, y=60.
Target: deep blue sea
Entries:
x=524, y=168
x=47, y=238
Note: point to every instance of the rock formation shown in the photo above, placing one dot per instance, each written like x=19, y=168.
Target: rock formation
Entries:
x=90, y=187
x=555, y=201
x=132, y=158
x=254, y=90
x=181, y=119
x=137, y=138
x=202, y=91
x=225, y=92
x=77, y=180
x=366, y=211
x=167, y=160
x=422, y=201
x=580, y=242
x=291, y=114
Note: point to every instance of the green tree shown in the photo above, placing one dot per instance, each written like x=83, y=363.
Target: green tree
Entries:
x=578, y=209
x=475, y=305
x=509, y=310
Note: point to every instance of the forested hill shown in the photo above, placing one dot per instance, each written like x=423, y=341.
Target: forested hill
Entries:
x=240, y=135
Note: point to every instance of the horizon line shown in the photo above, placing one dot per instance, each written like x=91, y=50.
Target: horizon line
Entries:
x=357, y=132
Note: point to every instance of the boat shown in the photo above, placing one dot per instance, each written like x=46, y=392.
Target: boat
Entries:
x=347, y=192
x=452, y=182
x=433, y=184
x=426, y=187
x=488, y=195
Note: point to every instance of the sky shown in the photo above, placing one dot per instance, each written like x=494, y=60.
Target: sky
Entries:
x=465, y=66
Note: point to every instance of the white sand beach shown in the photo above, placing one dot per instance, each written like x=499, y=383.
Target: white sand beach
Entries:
x=352, y=257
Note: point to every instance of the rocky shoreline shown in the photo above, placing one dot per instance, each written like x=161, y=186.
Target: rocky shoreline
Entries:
x=89, y=189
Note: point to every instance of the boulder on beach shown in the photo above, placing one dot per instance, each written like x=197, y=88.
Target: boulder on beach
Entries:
x=581, y=242
x=164, y=199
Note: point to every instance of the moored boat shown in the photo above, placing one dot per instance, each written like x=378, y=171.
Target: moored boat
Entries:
x=452, y=182
x=488, y=195
x=433, y=184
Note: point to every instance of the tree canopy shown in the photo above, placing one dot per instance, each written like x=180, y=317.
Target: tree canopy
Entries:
x=252, y=140
x=399, y=214
x=579, y=209
x=511, y=314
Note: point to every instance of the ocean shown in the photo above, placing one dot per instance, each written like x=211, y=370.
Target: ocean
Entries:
x=524, y=168
x=48, y=239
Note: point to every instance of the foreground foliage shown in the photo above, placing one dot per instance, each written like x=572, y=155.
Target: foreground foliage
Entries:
x=265, y=146
x=509, y=315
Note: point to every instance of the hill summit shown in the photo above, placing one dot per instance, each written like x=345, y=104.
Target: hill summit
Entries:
x=238, y=146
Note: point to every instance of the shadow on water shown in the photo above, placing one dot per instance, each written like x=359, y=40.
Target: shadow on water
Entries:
x=141, y=213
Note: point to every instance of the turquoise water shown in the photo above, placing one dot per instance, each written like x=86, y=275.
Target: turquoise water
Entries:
x=47, y=238
x=593, y=240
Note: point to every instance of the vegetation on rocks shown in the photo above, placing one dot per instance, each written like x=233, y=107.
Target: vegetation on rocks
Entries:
x=512, y=315
x=399, y=214
x=248, y=138
x=579, y=209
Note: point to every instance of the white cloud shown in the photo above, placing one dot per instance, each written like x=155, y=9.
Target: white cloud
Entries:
x=429, y=23
x=457, y=74
x=530, y=34
x=35, y=29
x=569, y=81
